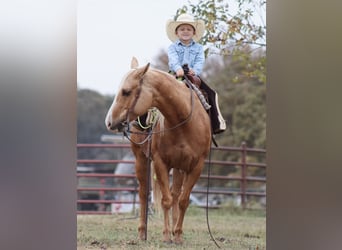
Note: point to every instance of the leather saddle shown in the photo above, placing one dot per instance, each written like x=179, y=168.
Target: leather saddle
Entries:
x=195, y=80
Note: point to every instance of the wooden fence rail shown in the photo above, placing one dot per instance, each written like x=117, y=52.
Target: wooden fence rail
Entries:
x=99, y=191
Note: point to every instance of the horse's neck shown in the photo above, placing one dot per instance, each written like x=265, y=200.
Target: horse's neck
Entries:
x=173, y=101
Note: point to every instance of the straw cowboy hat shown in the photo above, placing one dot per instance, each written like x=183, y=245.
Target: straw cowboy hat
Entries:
x=171, y=26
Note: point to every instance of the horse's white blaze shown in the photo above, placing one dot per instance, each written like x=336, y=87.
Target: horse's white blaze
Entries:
x=109, y=118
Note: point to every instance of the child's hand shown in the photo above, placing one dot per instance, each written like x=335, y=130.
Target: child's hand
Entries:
x=180, y=73
x=191, y=72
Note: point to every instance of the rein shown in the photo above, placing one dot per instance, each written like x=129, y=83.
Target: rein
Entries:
x=207, y=203
x=208, y=180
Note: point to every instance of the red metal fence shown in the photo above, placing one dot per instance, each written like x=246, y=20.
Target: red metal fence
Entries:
x=99, y=191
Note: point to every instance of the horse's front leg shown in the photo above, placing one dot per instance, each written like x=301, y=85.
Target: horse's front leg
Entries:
x=166, y=200
x=141, y=173
x=177, y=182
x=189, y=181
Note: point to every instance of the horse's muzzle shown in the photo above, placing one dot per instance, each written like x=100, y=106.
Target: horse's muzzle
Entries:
x=119, y=126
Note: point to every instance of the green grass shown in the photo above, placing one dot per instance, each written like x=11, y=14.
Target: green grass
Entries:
x=232, y=228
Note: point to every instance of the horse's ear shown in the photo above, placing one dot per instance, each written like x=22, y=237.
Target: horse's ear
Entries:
x=134, y=63
x=143, y=70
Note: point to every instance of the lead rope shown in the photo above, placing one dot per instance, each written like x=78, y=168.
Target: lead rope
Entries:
x=148, y=181
x=207, y=205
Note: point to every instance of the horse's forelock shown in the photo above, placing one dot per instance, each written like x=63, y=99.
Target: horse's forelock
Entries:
x=123, y=80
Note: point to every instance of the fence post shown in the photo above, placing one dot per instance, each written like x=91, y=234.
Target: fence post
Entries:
x=243, y=174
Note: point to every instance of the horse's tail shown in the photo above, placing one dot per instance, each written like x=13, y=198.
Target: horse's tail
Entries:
x=156, y=191
x=157, y=195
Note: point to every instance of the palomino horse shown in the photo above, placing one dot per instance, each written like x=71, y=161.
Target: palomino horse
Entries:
x=182, y=143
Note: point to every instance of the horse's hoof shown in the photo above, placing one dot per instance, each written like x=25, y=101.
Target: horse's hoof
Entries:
x=178, y=240
x=142, y=236
x=166, y=237
x=168, y=242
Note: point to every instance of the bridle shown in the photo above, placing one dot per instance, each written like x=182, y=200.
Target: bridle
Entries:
x=150, y=131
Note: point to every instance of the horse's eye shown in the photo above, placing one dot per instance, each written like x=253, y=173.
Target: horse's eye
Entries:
x=126, y=92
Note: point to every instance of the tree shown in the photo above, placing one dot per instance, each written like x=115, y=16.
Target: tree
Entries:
x=91, y=111
x=236, y=29
x=91, y=108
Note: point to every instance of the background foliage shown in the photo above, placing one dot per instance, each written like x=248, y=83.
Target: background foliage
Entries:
x=234, y=28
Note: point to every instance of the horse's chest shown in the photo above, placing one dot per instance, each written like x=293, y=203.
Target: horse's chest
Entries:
x=180, y=157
